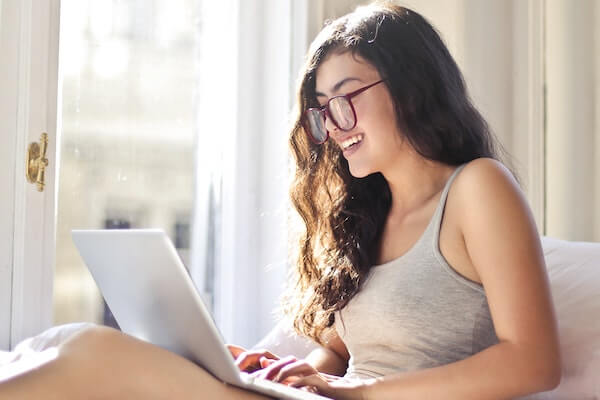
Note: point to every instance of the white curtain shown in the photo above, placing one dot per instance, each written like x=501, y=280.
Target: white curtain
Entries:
x=239, y=249
x=573, y=119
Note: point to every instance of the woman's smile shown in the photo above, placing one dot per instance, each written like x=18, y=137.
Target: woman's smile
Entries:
x=351, y=144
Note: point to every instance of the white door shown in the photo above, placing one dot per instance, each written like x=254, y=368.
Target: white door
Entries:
x=28, y=93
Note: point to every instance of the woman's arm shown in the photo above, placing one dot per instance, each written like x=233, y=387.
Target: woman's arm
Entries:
x=503, y=244
x=332, y=358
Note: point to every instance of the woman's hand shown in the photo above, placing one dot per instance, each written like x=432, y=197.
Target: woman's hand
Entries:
x=300, y=374
x=251, y=360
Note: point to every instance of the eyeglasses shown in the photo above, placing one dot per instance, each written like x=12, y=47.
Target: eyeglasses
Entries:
x=341, y=111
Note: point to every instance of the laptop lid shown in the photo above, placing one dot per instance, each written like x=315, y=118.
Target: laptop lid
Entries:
x=152, y=296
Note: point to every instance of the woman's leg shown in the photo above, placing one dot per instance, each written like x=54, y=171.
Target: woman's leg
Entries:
x=102, y=363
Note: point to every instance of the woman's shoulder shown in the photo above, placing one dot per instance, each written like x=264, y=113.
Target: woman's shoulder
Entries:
x=485, y=186
x=484, y=171
x=484, y=175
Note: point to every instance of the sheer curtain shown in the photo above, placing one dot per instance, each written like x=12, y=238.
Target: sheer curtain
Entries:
x=573, y=119
x=239, y=251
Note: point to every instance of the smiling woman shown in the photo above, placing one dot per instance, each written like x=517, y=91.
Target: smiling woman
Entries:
x=387, y=241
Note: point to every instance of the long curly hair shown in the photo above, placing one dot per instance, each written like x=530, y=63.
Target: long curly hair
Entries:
x=343, y=216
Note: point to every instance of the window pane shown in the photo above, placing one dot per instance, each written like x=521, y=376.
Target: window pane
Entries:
x=128, y=71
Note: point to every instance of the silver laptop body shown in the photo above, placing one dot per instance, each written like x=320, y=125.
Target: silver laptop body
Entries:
x=153, y=298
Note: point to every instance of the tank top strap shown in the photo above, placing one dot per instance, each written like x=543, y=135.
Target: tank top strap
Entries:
x=439, y=211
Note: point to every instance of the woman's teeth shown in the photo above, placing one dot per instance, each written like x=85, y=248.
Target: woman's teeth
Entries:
x=350, y=141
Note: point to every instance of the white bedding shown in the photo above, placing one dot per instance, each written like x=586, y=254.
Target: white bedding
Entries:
x=35, y=351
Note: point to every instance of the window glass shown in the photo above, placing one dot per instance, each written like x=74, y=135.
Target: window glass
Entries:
x=129, y=81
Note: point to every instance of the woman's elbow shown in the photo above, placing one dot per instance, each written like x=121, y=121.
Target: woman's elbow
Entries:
x=553, y=377
x=549, y=373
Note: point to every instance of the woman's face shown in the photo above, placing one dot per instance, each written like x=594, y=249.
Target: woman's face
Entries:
x=375, y=142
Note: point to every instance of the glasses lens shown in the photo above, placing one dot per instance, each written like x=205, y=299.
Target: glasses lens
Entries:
x=341, y=112
x=315, y=123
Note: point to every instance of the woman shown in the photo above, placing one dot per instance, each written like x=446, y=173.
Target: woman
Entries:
x=420, y=269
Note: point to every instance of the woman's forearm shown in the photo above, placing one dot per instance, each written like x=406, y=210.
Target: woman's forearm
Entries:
x=502, y=371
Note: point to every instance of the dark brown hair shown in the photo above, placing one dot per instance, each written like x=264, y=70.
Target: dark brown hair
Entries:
x=343, y=216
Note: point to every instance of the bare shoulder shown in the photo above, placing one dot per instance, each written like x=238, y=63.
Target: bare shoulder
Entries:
x=485, y=173
x=486, y=186
x=494, y=216
x=482, y=192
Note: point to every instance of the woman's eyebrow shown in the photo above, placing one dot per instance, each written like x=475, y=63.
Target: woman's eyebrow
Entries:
x=338, y=85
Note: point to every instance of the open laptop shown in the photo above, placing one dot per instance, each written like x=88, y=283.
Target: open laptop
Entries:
x=153, y=298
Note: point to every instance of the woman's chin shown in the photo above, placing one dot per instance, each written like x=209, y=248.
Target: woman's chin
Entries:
x=359, y=171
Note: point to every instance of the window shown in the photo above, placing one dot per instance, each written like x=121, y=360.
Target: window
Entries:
x=129, y=90
x=176, y=117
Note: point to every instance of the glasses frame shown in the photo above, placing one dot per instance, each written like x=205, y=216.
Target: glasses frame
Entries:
x=325, y=111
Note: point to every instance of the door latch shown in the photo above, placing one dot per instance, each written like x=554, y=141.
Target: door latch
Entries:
x=37, y=162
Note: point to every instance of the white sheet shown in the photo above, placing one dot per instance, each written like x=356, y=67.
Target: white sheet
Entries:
x=36, y=351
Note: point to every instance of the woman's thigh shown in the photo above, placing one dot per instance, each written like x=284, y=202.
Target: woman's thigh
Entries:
x=104, y=363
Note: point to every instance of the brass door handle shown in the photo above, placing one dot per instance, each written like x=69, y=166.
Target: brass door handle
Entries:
x=37, y=162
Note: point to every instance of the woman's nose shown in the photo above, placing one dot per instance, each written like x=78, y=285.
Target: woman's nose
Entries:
x=330, y=126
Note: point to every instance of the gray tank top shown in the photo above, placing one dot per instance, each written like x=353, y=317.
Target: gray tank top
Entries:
x=415, y=312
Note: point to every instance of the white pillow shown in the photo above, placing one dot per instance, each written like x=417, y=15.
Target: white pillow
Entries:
x=574, y=272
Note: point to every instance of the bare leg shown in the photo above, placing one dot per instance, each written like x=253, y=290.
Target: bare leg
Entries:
x=102, y=363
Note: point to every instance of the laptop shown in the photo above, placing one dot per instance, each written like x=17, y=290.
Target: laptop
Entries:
x=153, y=298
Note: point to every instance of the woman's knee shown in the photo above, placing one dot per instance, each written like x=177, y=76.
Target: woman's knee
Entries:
x=89, y=340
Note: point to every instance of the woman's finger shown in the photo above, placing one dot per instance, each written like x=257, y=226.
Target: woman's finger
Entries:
x=312, y=382
x=273, y=369
x=296, y=369
x=235, y=350
x=330, y=386
x=249, y=361
x=265, y=362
